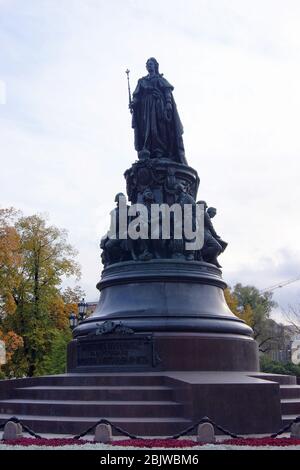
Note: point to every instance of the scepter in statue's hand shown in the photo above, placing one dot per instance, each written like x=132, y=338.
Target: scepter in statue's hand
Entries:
x=129, y=92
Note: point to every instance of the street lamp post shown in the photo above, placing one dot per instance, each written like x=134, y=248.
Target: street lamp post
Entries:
x=73, y=320
x=82, y=308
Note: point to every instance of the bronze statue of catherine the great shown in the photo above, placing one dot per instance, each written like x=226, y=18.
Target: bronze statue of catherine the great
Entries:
x=157, y=126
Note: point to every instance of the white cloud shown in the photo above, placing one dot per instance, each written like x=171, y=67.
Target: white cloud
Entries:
x=2, y=92
x=65, y=131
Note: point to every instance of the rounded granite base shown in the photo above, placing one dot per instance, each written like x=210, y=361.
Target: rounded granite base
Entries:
x=163, y=352
x=162, y=315
x=206, y=352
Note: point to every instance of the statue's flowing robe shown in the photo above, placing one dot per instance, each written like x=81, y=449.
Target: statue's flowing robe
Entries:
x=155, y=129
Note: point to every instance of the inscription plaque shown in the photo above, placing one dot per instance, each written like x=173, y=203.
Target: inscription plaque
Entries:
x=133, y=351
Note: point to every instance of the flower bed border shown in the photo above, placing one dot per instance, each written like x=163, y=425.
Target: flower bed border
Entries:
x=156, y=443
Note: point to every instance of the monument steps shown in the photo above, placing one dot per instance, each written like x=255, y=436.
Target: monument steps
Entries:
x=91, y=408
x=290, y=402
x=106, y=393
x=290, y=391
x=286, y=419
x=290, y=406
x=283, y=380
x=93, y=379
x=153, y=404
x=139, y=403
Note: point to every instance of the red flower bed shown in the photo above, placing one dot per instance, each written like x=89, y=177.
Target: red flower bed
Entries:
x=31, y=441
x=163, y=443
x=156, y=443
x=263, y=441
x=255, y=442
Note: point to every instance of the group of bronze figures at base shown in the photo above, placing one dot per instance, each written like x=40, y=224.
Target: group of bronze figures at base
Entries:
x=118, y=249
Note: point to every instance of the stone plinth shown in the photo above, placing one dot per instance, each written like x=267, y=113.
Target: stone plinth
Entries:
x=179, y=306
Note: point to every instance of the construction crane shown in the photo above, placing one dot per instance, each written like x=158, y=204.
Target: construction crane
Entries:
x=281, y=284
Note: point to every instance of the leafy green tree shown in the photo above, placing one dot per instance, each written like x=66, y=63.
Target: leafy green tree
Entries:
x=31, y=303
x=55, y=361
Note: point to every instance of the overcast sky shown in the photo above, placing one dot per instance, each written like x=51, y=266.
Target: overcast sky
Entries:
x=66, y=136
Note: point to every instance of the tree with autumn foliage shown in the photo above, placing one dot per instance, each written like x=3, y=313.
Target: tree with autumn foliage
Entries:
x=254, y=307
x=34, y=259
x=10, y=265
x=243, y=312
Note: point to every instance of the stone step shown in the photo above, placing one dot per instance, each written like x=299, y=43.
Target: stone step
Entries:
x=121, y=379
x=290, y=391
x=87, y=393
x=97, y=409
x=78, y=424
x=290, y=406
x=287, y=418
x=279, y=378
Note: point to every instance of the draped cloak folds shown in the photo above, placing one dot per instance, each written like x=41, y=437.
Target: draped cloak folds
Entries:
x=156, y=129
